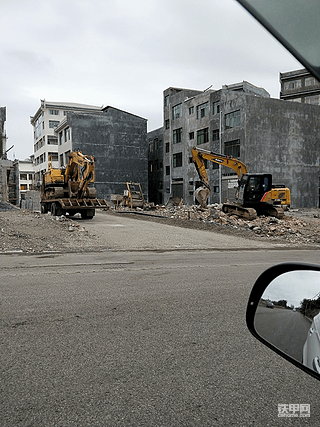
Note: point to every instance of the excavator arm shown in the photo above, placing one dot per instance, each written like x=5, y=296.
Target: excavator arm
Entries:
x=199, y=156
x=79, y=172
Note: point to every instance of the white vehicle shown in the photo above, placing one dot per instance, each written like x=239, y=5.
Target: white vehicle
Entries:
x=311, y=348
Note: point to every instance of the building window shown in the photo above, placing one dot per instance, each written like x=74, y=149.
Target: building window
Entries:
x=67, y=133
x=23, y=186
x=52, y=140
x=203, y=110
x=202, y=136
x=30, y=176
x=191, y=110
x=232, y=148
x=295, y=84
x=54, y=157
x=167, y=124
x=67, y=154
x=38, y=127
x=53, y=124
x=166, y=101
x=167, y=170
x=61, y=160
x=61, y=138
x=177, y=136
x=54, y=112
x=216, y=189
x=215, y=166
x=295, y=100
x=177, y=160
x=151, y=167
x=216, y=107
x=315, y=99
x=215, y=135
x=167, y=147
x=177, y=111
x=233, y=119
x=191, y=135
x=23, y=177
x=151, y=146
x=310, y=81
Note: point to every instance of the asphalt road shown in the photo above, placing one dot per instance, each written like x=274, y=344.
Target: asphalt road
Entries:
x=142, y=338
x=285, y=329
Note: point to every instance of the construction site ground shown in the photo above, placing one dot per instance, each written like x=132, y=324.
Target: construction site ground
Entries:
x=31, y=232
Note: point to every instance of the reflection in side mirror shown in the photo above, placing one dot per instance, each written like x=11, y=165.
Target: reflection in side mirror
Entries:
x=284, y=313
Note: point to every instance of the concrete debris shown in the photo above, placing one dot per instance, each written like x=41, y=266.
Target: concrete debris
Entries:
x=174, y=201
x=297, y=226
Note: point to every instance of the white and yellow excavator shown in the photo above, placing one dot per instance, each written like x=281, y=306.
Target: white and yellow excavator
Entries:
x=256, y=194
x=70, y=190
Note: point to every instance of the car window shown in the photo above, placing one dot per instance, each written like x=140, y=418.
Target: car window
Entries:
x=295, y=23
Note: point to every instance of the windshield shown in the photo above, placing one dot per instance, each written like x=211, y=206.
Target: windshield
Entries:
x=295, y=23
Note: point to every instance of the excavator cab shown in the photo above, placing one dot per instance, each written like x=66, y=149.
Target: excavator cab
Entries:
x=253, y=187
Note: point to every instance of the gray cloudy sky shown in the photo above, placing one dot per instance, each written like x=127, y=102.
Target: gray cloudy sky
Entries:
x=124, y=53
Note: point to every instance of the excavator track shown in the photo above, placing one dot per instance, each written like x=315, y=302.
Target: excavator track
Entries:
x=274, y=211
x=246, y=213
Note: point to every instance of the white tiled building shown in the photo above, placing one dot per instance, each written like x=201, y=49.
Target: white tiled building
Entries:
x=25, y=177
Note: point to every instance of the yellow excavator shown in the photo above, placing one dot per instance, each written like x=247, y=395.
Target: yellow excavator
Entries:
x=70, y=190
x=256, y=194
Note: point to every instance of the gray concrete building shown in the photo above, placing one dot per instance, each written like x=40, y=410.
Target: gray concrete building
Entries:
x=117, y=140
x=155, y=166
x=48, y=116
x=241, y=120
x=300, y=86
x=3, y=136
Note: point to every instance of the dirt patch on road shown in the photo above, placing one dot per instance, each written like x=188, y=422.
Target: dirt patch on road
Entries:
x=26, y=232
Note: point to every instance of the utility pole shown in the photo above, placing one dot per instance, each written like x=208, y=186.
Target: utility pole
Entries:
x=220, y=152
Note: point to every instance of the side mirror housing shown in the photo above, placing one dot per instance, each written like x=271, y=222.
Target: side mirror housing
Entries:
x=283, y=313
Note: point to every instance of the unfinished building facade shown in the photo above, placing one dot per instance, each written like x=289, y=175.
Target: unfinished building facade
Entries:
x=241, y=120
x=46, y=119
x=117, y=140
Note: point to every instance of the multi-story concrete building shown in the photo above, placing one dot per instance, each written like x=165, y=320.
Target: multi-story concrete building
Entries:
x=155, y=166
x=241, y=120
x=44, y=122
x=3, y=136
x=117, y=140
x=25, y=177
x=300, y=86
x=7, y=175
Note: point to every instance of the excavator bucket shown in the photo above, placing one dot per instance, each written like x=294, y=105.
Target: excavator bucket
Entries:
x=201, y=195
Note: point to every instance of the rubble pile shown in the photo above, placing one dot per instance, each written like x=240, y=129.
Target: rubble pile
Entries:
x=26, y=232
x=293, y=229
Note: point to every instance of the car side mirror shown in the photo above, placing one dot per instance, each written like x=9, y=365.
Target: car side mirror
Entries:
x=283, y=313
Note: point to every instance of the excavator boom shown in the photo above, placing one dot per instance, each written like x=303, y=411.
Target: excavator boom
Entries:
x=199, y=156
x=80, y=169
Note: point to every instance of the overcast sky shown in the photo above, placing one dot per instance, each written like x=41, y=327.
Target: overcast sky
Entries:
x=124, y=53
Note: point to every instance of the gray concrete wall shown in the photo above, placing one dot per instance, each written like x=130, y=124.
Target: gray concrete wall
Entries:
x=32, y=201
x=118, y=141
x=155, y=166
x=282, y=138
